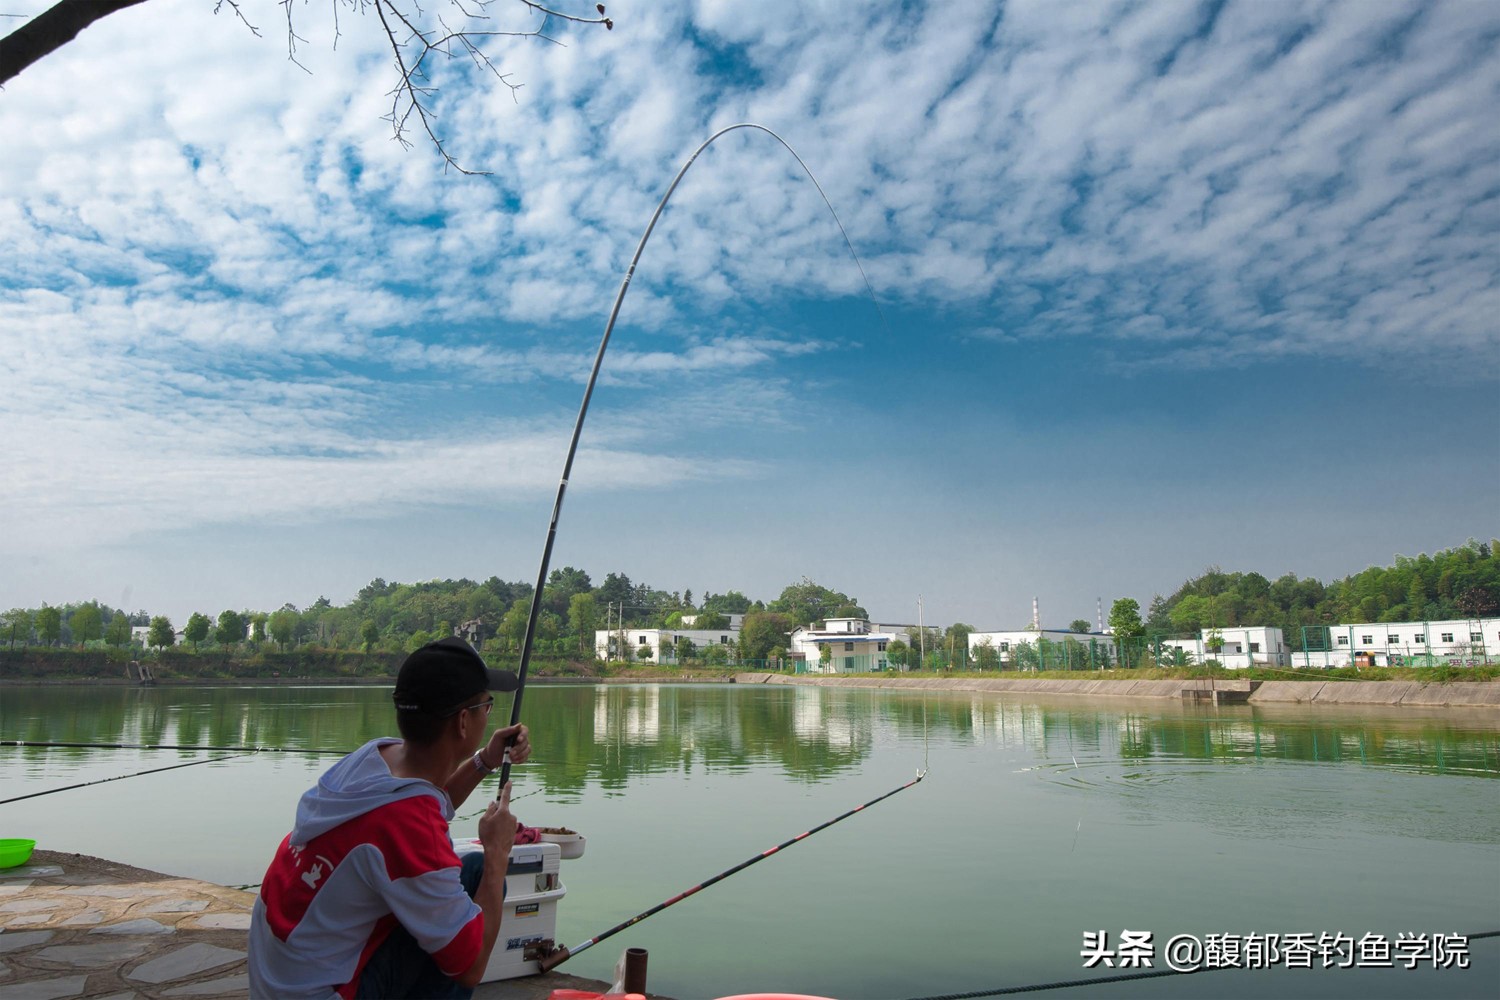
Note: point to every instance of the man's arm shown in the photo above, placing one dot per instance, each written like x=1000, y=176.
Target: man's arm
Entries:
x=497, y=832
x=466, y=777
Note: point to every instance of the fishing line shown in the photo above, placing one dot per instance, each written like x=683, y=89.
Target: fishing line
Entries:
x=555, y=958
x=1122, y=977
x=588, y=392
x=170, y=746
x=119, y=777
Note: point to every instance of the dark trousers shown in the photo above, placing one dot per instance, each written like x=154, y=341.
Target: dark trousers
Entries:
x=400, y=970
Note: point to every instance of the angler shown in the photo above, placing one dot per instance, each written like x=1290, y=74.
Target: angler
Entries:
x=366, y=896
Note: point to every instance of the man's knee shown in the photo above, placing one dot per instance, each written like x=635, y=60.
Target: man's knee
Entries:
x=471, y=871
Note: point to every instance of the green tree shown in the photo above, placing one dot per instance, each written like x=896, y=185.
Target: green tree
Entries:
x=282, y=625
x=1192, y=613
x=808, y=602
x=258, y=627
x=1176, y=656
x=616, y=590
x=986, y=656
x=1476, y=602
x=921, y=643
x=231, y=628
x=825, y=655
x=685, y=649
x=897, y=653
x=369, y=633
x=763, y=630
x=583, y=619
x=562, y=585
x=1125, y=619
x=1081, y=625
x=49, y=625
x=161, y=634
x=197, y=628
x=731, y=603
x=956, y=643
x=513, y=625
x=20, y=620
x=1416, y=599
x=86, y=623
x=1159, y=616
x=709, y=620
x=117, y=633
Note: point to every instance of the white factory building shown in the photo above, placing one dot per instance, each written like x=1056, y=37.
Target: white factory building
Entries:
x=1007, y=643
x=1458, y=641
x=1236, y=648
x=607, y=642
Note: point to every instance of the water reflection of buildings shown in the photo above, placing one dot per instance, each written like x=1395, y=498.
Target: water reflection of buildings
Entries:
x=817, y=718
x=627, y=715
x=1016, y=725
x=1412, y=745
x=1050, y=732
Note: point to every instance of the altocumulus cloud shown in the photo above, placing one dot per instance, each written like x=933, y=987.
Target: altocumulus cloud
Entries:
x=217, y=272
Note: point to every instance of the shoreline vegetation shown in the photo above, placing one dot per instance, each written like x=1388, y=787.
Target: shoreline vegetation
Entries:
x=1420, y=686
x=386, y=619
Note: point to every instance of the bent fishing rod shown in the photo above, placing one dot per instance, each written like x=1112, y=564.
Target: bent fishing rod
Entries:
x=119, y=777
x=588, y=393
x=199, y=748
x=168, y=746
x=553, y=959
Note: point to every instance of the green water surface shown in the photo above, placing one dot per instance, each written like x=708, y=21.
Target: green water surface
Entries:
x=1038, y=820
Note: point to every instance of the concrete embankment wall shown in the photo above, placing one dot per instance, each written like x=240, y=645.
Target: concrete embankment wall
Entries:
x=1482, y=694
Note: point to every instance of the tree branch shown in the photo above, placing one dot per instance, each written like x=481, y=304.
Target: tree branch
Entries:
x=51, y=30
x=410, y=97
x=609, y=24
x=410, y=45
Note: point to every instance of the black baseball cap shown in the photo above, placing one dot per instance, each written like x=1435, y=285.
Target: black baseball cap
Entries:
x=443, y=675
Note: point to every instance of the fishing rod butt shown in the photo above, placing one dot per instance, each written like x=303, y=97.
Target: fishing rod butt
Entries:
x=553, y=959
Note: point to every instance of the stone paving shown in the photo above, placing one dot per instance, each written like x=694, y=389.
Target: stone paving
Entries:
x=77, y=926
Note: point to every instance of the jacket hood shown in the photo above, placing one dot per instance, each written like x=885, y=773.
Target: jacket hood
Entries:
x=355, y=785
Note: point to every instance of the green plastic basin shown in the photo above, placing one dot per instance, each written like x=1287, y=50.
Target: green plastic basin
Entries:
x=15, y=852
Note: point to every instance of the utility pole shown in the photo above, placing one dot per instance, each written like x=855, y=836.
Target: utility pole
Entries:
x=609, y=607
x=921, y=636
x=620, y=624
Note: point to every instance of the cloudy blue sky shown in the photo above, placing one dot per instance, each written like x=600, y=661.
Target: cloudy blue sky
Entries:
x=1163, y=285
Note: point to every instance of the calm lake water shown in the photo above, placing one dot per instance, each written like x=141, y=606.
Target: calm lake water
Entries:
x=1038, y=820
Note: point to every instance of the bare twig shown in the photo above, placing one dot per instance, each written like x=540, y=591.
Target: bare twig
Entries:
x=608, y=23
x=234, y=6
x=410, y=48
x=292, y=38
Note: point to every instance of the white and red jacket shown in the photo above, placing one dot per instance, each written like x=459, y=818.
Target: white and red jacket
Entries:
x=369, y=850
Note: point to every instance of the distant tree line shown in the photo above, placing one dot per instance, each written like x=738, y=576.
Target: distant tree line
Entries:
x=387, y=616
x=1462, y=582
x=1458, y=583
